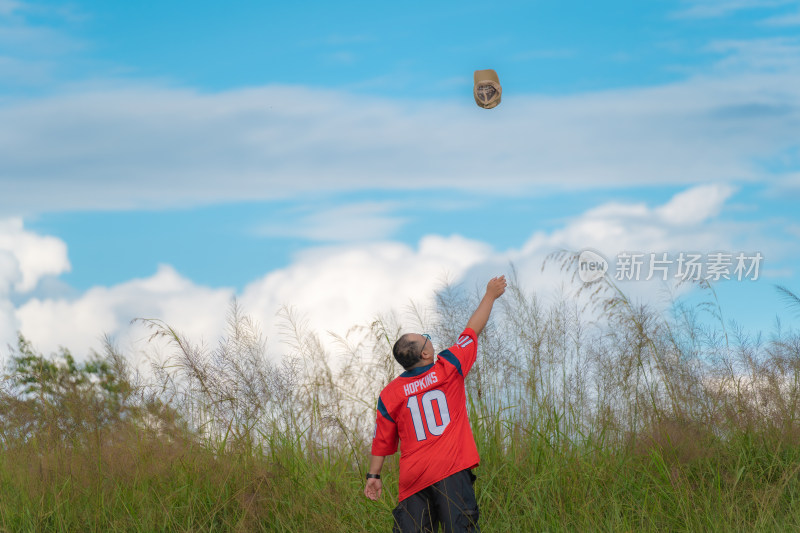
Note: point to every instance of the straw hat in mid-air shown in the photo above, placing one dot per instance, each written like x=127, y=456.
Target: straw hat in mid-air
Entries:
x=487, y=88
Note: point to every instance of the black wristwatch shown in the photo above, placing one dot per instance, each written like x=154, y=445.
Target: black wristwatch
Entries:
x=373, y=476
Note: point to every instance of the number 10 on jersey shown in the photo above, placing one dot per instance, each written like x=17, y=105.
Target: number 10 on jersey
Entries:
x=428, y=400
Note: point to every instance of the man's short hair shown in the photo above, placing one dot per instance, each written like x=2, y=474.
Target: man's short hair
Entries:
x=407, y=351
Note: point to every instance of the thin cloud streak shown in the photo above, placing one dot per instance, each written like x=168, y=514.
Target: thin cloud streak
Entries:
x=720, y=8
x=368, y=221
x=790, y=19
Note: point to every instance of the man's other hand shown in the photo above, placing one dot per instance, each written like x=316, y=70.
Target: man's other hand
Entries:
x=373, y=489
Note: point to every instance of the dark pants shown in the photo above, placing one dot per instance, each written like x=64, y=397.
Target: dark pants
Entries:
x=449, y=502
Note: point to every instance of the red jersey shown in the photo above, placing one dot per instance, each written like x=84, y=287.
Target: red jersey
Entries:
x=425, y=408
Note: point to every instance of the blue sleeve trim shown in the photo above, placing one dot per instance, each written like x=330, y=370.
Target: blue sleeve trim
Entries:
x=382, y=410
x=452, y=359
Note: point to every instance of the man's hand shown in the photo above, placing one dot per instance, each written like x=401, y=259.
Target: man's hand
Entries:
x=374, y=485
x=496, y=287
x=373, y=489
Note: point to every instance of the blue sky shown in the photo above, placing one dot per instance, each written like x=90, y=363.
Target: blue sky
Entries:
x=159, y=159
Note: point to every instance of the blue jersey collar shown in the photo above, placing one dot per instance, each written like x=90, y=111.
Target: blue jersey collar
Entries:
x=416, y=371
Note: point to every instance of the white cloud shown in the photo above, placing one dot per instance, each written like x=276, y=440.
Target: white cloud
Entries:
x=332, y=288
x=30, y=256
x=685, y=222
x=689, y=222
x=695, y=205
x=8, y=327
x=337, y=287
x=10, y=274
x=122, y=144
x=121, y=147
x=79, y=324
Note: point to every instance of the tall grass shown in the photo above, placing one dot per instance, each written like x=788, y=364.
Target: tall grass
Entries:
x=591, y=413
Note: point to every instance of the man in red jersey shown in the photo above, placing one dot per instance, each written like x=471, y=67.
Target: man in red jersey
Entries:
x=425, y=410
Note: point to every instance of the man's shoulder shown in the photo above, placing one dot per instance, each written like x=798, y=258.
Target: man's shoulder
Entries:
x=467, y=336
x=390, y=389
x=467, y=340
x=462, y=352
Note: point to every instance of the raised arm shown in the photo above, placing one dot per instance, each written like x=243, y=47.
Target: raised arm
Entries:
x=494, y=289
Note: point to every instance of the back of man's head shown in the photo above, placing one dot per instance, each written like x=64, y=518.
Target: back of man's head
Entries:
x=406, y=351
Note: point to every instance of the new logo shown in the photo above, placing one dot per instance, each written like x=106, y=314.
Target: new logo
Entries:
x=591, y=266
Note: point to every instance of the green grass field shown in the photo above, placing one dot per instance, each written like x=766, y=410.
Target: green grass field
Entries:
x=141, y=484
x=642, y=420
